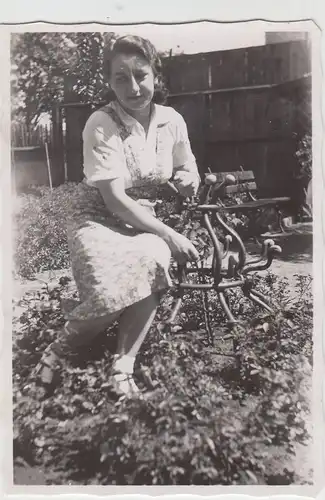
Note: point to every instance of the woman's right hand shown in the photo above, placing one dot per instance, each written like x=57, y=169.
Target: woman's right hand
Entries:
x=182, y=248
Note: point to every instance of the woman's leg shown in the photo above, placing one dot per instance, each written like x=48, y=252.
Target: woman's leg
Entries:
x=134, y=325
x=73, y=335
x=135, y=322
x=77, y=333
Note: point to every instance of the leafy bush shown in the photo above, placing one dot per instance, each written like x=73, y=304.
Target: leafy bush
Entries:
x=303, y=174
x=304, y=155
x=40, y=230
x=202, y=398
x=207, y=419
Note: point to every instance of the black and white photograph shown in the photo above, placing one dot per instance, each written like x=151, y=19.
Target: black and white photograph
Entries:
x=162, y=212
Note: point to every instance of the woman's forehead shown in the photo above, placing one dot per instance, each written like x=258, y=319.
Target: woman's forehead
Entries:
x=128, y=62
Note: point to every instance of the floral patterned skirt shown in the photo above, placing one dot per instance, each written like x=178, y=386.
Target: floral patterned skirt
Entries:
x=114, y=265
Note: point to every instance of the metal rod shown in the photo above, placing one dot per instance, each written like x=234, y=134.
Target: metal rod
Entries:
x=209, y=208
x=201, y=270
x=217, y=248
x=195, y=286
x=207, y=323
x=260, y=296
x=48, y=165
x=230, y=284
x=227, y=245
x=261, y=267
x=237, y=238
x=224, y=305
x=174, y=312
x=260, y=302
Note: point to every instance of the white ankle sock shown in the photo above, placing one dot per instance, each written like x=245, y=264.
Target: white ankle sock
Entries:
x=124, y=364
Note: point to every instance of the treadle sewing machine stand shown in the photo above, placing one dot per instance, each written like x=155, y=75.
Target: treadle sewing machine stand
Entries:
x=236, y=274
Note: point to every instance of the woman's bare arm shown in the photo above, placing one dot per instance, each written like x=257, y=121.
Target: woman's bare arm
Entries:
x=128, y=210
x=131, y=212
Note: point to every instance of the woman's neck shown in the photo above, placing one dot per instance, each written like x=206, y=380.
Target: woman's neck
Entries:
x=142, y=115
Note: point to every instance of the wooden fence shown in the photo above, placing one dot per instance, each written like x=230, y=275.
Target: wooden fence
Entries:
x=30, y=155
x=242, y=107
x=23, y=135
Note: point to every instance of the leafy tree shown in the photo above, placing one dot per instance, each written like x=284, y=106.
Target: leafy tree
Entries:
x=41, y=61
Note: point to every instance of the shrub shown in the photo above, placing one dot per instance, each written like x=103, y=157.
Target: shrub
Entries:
x=304, y=155
x=202, y=423
x=303, y=174
x=40, y=230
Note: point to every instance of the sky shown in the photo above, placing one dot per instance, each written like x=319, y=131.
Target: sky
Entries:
x=205, y=36
x=198, y=37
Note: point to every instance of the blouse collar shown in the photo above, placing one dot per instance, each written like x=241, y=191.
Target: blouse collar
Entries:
x=160, y=115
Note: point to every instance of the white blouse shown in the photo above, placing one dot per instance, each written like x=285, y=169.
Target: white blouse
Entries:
x=157, y=154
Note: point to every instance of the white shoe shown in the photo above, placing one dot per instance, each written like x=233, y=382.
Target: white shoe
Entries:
x=124, y=384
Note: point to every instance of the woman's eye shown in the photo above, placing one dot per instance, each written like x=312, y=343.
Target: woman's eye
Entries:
x=121, y=79
x=140, y=76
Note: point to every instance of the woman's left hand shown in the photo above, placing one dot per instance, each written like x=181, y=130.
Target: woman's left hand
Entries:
x=187, y=183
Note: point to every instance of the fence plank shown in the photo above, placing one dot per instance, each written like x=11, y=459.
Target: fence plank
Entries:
x=57, y=147
x=247, y=175
x=194, y=110
x=228, y=66
x=187, y=73
x=75, y=120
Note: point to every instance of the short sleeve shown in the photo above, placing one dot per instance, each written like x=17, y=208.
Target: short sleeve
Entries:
x=182, y=152
x=103, y=157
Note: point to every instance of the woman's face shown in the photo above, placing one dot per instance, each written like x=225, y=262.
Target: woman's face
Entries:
x=132, y=81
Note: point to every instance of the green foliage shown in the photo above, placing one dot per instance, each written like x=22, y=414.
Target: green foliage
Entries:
x=41, y=61
x=203, y=422
x=303, y=175
x=40, y=223
x=186, y=429
x=304, y=155
x=40, y=230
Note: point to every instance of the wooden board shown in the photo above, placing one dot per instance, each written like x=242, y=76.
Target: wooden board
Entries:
x=247, y=175
x=187, y=73
x=241, y=188
x=251, y=114
x=195, y=113
x=75, y=122
x=260, y=65
x=228, y=68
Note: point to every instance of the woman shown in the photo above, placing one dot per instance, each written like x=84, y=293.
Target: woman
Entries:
x=120, y=252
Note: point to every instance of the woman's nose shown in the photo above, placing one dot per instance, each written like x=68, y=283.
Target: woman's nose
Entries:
x=134, y=85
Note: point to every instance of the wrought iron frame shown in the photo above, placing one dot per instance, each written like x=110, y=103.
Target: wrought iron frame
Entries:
x=235, y=275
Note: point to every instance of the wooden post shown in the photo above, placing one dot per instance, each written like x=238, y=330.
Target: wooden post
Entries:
x=76, y=117
x=57, y=147
x=76, y=114
x=13, y=170
x=48, y=165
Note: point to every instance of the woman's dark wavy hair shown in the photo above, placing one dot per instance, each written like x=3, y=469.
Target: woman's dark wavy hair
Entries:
x=132, y=44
